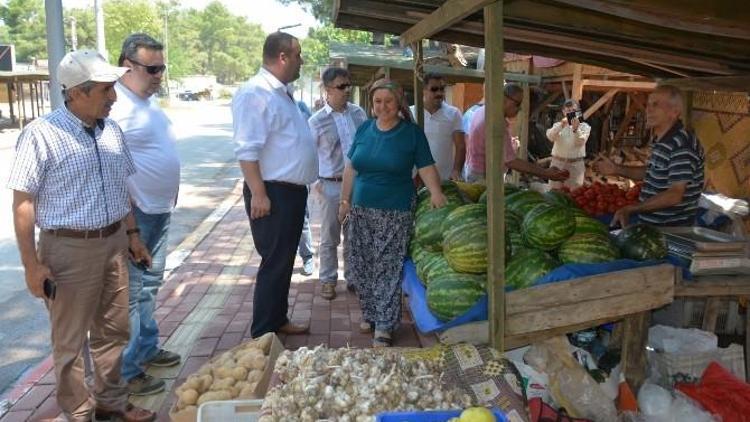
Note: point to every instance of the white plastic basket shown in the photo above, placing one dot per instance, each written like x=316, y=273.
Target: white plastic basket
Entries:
x=230, y=411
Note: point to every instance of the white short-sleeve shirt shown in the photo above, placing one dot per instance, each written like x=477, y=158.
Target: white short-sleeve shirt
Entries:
x=439, y=128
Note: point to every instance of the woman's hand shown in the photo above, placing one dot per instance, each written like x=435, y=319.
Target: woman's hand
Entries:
x=344, y=208
x=438, y=200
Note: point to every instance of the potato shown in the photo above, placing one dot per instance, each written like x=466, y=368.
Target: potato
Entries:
x=223, y=372
x=192, y=382
x=206, y=381
x=190, y=409
x=254, y=375
x=189, y=396
x=222, y=384
x=264, y=342
x=258, y=362
x=214, y=396
x=239, y=373
x=205, y=370
x=234, y=391
x=247, y=392
x=241, y=384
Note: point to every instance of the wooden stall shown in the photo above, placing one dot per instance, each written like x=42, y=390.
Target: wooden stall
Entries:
x=26, y=93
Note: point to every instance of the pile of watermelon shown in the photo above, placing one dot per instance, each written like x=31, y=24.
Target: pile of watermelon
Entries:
x=542, y=232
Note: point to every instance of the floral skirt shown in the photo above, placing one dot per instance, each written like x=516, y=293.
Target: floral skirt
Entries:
x=378, y=242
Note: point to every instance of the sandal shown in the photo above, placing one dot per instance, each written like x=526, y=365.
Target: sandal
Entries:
x=365, y=327
x=328, y=291
x=382, y=339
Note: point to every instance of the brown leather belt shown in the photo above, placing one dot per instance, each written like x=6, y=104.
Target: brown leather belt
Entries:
x=568, y=160
x=87, y=234
x=331, y=179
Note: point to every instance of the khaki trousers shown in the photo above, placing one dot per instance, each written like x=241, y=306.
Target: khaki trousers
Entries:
x=92, y=299
x=577, y=171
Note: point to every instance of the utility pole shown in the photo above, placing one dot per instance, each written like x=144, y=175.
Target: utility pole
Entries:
x=53, y=12
x=101, y=47
x=166, y=52
x=73, y=34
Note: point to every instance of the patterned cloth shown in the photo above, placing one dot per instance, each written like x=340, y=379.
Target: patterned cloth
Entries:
x=378, y=241
x=78, y=181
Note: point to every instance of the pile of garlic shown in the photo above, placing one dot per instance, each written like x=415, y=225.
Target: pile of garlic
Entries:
x=232, y=375
x=353, y=385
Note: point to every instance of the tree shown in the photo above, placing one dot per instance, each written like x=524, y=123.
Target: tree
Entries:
x=124, y=17
x=316, y=47
x=24, y=20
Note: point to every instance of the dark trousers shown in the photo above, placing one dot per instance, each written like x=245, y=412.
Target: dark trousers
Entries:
x=276, y=237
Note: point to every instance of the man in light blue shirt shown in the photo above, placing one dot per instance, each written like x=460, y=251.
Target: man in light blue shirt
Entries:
x=333, y=127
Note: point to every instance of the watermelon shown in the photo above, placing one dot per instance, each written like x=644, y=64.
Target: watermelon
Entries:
x=585, y=224
x=513, y=229
x=465, y=246
x=425, y=261
x=547, y=226
x=587, y=248
x=526, y=266
x=509, y=189
x=642, y=242
x=451, y=294
x=470, y=191
x=464, y=213
x=428, y=226
x=556, y=197
x=522, y=201
x=437, y=267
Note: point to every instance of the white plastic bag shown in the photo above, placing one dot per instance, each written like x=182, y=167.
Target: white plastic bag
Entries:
x=681, y=340
x=658, y=405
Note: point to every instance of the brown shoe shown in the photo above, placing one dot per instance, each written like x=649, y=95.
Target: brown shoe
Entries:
x=131, y=414
x=292, y=329
x=328, y=291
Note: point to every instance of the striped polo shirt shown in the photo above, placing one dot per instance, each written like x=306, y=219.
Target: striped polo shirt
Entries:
x=676, y=157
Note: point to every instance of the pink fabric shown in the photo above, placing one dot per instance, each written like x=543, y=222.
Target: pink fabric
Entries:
x=475, y=153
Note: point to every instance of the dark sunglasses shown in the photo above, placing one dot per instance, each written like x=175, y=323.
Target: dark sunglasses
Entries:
x=342, y=87
x=437, y=89
x=151, y=70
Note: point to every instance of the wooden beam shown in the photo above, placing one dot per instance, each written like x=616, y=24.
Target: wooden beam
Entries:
x=495, y=170
x=604, y=99
x=565, y=90
x=450, y=12
x=719, y=286
x=645, y=86
x=418, y=73
x=687, y=110
x=637, y=100
x=737, y=83
x=547, y=101
x=624, y=124
x=635, y=338
x=577, y=91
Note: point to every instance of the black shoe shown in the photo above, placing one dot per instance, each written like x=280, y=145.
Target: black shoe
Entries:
x=144, y=385
x=163, y=358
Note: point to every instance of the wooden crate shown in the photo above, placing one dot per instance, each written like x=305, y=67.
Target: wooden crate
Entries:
x=545, y=311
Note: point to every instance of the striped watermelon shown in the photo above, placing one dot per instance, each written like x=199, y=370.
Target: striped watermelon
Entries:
x=465, y=246
x=453, y=198
x=526, y=266
x=513, y=229
x=428, y=226
x=587, y=248
x=521, y=202
x=586, y=224
x=555, y=197
x=464, y=213
x=425, y=260
x=436, y=267
x=642, y=242
x=547, y=226
x=450, y=295
x=509, y=189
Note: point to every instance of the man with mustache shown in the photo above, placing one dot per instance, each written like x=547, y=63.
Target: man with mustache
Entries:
x=153, y=189
x=443, y=127
x=69, y=179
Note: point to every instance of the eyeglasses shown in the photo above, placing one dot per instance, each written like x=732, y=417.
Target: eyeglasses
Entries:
x=515, y=101
x=151, y=70
x=437, y=89
x=342, y=87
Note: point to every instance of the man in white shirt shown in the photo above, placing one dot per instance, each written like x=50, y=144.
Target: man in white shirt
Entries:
x=443, y=127
x=569, y=137
x=276, y=151
x=333, y=127
x=153, y=189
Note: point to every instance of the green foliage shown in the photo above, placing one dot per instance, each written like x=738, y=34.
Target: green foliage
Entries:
x=25, y=27
x=315, y=48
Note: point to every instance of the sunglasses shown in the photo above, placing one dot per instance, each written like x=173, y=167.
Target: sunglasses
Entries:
x=342, y=87
x=151, y=70
x=437, y=89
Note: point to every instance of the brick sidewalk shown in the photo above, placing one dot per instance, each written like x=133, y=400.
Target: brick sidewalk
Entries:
x=205, y=307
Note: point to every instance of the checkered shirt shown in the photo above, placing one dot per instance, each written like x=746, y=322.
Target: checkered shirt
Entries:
x=77, y=182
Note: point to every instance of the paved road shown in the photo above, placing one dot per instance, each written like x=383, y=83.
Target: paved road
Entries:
x=209, y=173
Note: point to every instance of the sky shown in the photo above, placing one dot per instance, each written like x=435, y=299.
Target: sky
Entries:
x=270, y=14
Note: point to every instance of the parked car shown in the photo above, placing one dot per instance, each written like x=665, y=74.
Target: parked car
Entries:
x=188, y=95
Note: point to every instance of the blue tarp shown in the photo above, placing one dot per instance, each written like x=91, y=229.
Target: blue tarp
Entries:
x=427, y=322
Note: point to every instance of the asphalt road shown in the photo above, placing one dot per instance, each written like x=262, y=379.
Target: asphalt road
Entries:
x=209, y=172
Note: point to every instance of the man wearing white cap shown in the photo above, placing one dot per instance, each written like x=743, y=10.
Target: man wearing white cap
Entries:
x=69, y=178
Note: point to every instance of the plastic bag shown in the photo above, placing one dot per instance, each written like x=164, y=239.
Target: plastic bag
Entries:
x=681, y=340
x=571, y=386
x=658, y=405
x=721, y=393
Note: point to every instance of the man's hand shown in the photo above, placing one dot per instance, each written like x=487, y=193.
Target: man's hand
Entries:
x=260, y=206
x=622, y=216
x=554, y=173
x=35, y=276
x=138, y=252
x=564, y=122
x=456, y=175
x=343, y=211
x=575, y=124
x=605, y=166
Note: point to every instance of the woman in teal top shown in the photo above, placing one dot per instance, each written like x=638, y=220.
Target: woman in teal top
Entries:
x=377, y=196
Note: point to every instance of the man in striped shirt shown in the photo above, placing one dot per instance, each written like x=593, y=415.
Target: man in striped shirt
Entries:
x=673, y=176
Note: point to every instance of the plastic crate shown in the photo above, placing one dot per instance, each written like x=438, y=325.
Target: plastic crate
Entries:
x=230, y=410
x=430, y=416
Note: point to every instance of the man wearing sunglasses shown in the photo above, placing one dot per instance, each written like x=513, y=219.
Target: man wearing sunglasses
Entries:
x=153, y=189
x=333, y=128
x=443, y=127
x=475, y=171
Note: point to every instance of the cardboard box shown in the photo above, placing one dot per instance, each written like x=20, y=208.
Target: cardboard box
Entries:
x=191, y=415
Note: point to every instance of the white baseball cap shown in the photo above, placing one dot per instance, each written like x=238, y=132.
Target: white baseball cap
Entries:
x=82, y=66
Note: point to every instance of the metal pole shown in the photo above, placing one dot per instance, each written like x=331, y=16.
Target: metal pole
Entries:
x=166, y=53
x=55, y=47
x=73, y=34
x=101, y=47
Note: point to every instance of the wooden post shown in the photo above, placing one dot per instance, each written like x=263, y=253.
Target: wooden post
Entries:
x=418, y=100
x=687, y=110
x=635, y=338
x=577, y=90
x=10, y=101
x=495, y=170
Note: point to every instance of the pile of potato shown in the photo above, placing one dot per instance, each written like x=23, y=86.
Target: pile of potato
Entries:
x=232, y=375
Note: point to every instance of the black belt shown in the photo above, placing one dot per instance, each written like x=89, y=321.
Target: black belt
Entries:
x=287, y=184
x=87, y=234
x=331, y=179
